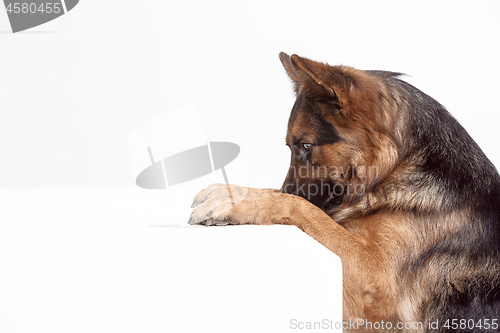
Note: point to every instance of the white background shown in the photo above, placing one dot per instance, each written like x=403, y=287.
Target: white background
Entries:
x=88, y=260
x=72, y=90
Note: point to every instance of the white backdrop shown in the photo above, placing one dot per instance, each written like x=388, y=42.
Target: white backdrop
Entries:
x=72, y=90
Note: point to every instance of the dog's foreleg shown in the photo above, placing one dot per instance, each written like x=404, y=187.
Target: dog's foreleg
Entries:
x=368, y=286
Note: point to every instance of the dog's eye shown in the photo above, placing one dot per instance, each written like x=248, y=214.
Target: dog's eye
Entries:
x=307, y=146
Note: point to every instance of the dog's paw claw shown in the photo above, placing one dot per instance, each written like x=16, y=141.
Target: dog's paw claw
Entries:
x=192, y=221
x=210, y=222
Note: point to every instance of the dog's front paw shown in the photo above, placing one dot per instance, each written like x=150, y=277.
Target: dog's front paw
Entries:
x=213, y=212
x=221, y=204
x=220, y=191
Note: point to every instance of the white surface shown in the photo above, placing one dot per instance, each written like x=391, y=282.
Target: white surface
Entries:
x=106, y=260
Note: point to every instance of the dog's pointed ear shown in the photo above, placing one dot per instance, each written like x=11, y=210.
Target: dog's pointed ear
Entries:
x=313, y=69
x=301, y=69
x=293, y=71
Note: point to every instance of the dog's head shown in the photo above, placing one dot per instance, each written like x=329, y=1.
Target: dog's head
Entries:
x=342, y=132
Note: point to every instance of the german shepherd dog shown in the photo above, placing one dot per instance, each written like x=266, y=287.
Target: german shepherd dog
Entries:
x=382, y=175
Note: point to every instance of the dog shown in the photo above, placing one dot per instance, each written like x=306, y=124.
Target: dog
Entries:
x=383, y=176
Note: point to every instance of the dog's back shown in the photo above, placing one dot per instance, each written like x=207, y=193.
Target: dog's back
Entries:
x=452, y=192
